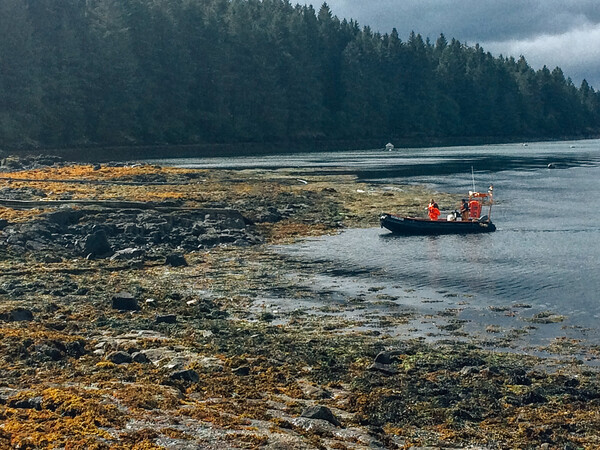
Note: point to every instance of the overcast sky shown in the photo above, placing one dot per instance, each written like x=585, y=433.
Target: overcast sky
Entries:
x=564, y=33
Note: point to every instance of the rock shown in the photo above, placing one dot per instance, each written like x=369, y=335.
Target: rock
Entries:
x=17, y=315
x=51, y=259
x=127, y=254
x=140, y=357
x=64, y=216
x=469, y=370
x=176, y=260
x=133, y=229
x=383, y=358
x=96, y=244
x=242, y=371
x=533, y=397
x=124, y=301
x=3, y=224
x=76, y=349
x=119, y=357
x=27, y=403
x=314, y=392
x=385, y=369
x=520, y=380
x=320, y=412
x=166, y=318
x=185, y=375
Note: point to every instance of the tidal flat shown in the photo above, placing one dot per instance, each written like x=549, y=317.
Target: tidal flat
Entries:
x=145, y=307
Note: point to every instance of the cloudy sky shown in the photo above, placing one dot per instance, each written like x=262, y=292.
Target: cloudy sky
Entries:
x=564, y=33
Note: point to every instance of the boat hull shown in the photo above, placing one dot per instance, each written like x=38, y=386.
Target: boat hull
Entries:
x=413, y=225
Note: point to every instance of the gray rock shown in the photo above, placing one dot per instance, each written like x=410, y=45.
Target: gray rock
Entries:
x=242, y=371
x=176, y=260
x=96, y=244
x=166, y=318
x=53, y=350
x=124, y=301
x=127, y=254
x=28, y=403
x=185, y=375
x=140, y=357
x=320, y=412
x=119, y=357
x=64, y=216
x=385, y=369
x=383, y=358
x=17, y=315
x=469, y=370
x=133, y=229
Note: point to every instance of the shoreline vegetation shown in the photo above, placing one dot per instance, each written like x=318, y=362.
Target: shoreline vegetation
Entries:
x=144, y=307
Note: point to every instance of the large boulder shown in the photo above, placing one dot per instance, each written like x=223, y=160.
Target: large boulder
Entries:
x=185, y=375
x=119, y=357
x=96, y=244
x=176, y=260
x=321, y=412
x=17, y=315
x=124, y=301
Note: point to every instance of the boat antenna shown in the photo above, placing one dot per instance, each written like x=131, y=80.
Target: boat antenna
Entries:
x=473, y=178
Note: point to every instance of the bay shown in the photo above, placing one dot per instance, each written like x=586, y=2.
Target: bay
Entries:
x=543, y=260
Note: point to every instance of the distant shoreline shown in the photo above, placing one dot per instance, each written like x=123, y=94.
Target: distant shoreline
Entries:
x=102, y=153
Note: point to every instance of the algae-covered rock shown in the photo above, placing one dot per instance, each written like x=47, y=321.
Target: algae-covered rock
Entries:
x=166, y=318
x=241, y=371
x=320, y=412
x=140, y=357
x=185, y=375
x=385, y=369
x=124, y=301
x=96, y=244
x=17, y=315
x=119, y=357
x=176, y=260
x=383, y=358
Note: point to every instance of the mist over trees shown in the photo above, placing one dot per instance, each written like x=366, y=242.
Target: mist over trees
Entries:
x=120, y=72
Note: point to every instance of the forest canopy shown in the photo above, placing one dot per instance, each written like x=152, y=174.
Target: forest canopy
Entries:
x=114, y=72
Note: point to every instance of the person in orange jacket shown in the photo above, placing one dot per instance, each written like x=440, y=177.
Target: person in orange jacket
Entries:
x=434, y=210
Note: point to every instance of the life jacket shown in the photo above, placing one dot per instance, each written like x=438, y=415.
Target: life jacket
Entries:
x=434, y=213
x=474, y=209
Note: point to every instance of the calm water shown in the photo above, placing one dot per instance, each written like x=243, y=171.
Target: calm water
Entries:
x=545, y=252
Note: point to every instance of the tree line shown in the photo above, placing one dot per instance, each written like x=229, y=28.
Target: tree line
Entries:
x=115, y=72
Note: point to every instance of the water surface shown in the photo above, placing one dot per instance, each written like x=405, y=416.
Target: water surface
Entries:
x=544, y=256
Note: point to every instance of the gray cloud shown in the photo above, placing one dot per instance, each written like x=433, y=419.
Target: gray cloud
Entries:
x=547, y=32
x=471, y=20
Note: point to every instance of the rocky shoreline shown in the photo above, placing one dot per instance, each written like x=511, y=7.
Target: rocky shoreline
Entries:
x=144, y=307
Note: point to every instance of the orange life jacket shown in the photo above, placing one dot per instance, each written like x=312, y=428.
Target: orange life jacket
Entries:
x=434, y=213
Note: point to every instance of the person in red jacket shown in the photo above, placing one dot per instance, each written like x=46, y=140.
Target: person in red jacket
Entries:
x=434, y=210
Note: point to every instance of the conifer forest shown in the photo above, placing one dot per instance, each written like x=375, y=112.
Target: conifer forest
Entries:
x=115, y=72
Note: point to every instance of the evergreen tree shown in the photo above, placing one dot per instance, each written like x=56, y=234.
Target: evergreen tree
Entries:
x=104, y=72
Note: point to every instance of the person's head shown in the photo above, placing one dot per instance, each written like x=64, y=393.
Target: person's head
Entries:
x=432, y=201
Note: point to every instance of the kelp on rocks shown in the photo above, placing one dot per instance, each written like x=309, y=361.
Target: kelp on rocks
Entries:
x=215, y=352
